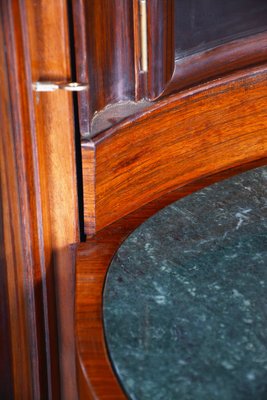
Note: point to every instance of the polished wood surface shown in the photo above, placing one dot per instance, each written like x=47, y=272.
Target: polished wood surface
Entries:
x=49, y=47
x=104, y=45
x=161, y=45
x=109, y=60
x=215, y=126
x=172, y=142
x=22, y=240
x=216, y=62
x=6, y=373
x=38, y=203
x=96, y=379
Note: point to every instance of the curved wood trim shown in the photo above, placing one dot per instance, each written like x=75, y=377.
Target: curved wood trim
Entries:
x=215, y=62
x=161, y=51
x=168, y=75
x=215, y=126
x=104, y=52
x=96, y=378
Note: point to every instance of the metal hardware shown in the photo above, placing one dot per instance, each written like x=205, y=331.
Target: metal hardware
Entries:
x=53, y=86
x=143, y=34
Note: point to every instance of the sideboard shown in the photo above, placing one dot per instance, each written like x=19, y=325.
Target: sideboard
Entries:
x=110, y=110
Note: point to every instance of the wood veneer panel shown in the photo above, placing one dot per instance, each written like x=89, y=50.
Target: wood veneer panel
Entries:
x=95, y=375
x=49, y=45
x=199, y=131
x=22, y=244
x=6, y=373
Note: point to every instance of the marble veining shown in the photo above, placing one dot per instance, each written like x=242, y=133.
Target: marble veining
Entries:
x=185, y=301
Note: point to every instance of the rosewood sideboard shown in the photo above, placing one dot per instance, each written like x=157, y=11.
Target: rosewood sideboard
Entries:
x=109, y=110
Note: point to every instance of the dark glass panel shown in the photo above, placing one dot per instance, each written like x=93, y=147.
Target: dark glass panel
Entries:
x=203, y=24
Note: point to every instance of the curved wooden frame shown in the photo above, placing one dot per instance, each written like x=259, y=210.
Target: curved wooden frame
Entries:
x=147, y=156
x=97, y=380
x=110, y=59
x=215, y=62
x=167, y=75
x=183, y=144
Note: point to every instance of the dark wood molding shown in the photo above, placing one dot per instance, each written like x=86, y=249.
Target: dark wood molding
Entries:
x=104, y=45
x=96, y=378
x=112, y=65
x=216, y=125
x=161, y=51
x=216, y=62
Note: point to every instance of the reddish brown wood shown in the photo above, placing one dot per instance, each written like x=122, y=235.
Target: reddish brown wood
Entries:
x=22, y=246
x=6, y=373
x=96, y=378
x=38, y=203
x=192, y=134
x=109, y=59
x=49, y=45
x=215, y=126
x=104, y=45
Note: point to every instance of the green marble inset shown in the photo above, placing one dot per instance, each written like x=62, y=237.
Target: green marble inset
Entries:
x=185, y=301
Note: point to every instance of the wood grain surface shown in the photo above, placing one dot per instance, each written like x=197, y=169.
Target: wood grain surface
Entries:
x=189, y=135
x=95, y=375
x=38, y=203
x=22, y=237
x=108, y=54
x=49, y=46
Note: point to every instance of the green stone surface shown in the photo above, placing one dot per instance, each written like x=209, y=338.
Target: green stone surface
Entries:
x=185, y=301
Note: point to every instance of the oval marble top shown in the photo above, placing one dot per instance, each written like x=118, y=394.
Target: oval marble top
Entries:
x=185, y=300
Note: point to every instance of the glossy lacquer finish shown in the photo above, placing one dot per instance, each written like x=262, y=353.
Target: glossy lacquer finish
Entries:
x=38, y=204
x=184, y=137
x=184, y=48
x=104, y=45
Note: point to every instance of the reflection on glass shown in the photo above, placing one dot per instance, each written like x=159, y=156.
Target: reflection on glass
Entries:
x=203, y=24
